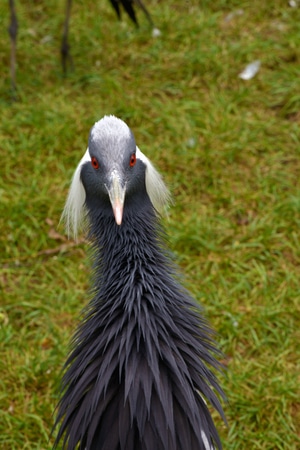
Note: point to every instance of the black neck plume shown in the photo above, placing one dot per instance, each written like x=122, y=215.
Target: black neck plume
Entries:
x=138, y=376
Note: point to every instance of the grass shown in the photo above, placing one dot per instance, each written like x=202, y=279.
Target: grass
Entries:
x=229, y=150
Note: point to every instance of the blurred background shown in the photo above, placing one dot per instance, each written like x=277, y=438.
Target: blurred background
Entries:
x=227, y=144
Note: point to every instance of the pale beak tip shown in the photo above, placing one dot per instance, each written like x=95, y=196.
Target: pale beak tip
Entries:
x=118, y=213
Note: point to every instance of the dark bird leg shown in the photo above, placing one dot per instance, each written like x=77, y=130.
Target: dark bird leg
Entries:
x=115, y=5
x=66, y=56
x=13, y=31
x=146, y=12
x=128, y=6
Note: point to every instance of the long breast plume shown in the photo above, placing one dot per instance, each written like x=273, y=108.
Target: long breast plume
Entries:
x=141, y=374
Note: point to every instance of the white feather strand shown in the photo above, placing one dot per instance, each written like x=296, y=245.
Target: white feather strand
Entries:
x=156, y=188
x=74, y=211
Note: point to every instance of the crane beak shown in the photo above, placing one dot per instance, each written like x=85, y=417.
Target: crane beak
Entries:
x=116, y=194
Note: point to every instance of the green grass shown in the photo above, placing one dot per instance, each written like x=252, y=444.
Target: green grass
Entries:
x=229, y=150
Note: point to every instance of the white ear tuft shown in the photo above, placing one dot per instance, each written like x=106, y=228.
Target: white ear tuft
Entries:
x=74, y=211
x=158, y=192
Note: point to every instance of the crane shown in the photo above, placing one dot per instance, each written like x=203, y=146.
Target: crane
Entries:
x=142, y=368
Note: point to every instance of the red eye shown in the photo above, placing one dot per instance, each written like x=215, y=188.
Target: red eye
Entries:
x=132, y=160
x=94, y=162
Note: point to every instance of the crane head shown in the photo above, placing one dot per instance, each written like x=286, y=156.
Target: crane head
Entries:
x=112, y=169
